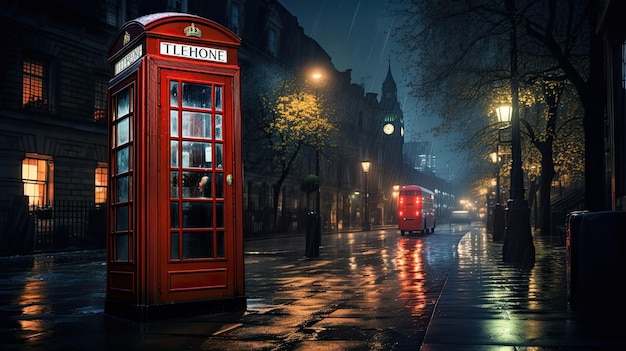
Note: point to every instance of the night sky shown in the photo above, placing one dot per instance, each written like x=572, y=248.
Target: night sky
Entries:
x=355, y=33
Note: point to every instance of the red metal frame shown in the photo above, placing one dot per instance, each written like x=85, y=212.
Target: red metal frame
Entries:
x=155, y=280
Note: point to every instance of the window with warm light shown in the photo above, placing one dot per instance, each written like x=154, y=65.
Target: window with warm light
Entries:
x=101, y=184
x=35, y=173
x=34, y=84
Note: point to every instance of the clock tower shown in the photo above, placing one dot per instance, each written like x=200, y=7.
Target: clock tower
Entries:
x=392, y=126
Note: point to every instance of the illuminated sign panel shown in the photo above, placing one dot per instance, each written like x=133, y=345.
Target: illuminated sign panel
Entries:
x=193, y=52
x=129, y=59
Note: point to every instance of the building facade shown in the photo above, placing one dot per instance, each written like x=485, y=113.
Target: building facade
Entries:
x=53, y=144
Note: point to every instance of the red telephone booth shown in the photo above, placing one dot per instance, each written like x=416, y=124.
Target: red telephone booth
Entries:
x=175, y=234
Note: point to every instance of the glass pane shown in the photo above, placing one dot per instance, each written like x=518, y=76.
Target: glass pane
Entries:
x=174, y=184
x=196, y=154
x=122, y=159
x=197, y=215
x=196, y=125
x=219, y=156
x=174, y=153
x=193, y=185
x=174, y=222
x=123, y=131
x=220, y=244
x=123, y=104
x=218, y=127
x=121, y=248
x=173, y=93
x=121, y=223
x=174, y=123
x=219, y=185
x=174, y=246
x=122, y=189
x=198, y=245
x=205, y=185
x=197, y=95
x=218, y=98
x=219, y=215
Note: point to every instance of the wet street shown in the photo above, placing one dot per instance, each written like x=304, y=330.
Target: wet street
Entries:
x=371, y=290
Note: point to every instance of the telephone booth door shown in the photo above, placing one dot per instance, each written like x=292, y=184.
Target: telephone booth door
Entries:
x=199, y=158
x=174, y=233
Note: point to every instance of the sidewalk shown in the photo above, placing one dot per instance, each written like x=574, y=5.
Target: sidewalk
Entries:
x=488, y=305
x=321, y=304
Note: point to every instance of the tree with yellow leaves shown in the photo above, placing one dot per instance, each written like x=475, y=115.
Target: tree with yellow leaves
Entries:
x=293, y=119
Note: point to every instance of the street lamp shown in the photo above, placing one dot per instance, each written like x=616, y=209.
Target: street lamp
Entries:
x=365, y=165
x=518, y=245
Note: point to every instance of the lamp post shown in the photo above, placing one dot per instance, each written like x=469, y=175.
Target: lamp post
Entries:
x=498, y=209
x=518, y=247
x=318, y=78
x=365, y=165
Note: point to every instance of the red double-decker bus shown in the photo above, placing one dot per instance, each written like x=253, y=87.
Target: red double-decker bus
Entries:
x=416, y=210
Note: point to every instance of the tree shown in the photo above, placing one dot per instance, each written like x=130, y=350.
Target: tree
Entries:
x=459, y=67
x=293, y=119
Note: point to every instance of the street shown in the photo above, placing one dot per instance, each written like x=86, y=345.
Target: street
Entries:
x=371, y=290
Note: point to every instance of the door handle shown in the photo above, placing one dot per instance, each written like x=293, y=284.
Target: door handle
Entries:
x=229, y=179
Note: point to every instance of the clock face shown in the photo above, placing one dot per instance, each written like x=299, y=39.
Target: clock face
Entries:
x=388, y=128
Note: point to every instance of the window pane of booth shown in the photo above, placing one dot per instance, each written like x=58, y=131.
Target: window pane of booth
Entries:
x=218, y=98
x=174, y=153
x=220, y=244
x=173, y=93
x=218, y=127
x=121, y=218
x=174, y=122
x=197, y=95
x=197, y=245
x=197, y=215
x=123, y=131
x=219, y=215
x=121, y=248
x=174, y=215
x=122, y=189
x=196, y=154
x=122, y=159
x=174, y=184
x=123, y=104
x=174, y=246
x=193, y=185
x=196, y=125
x=219, y=156
x=219, y=185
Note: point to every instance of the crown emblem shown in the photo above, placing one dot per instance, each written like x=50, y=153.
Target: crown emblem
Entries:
x=193, y=31
x=126, y=38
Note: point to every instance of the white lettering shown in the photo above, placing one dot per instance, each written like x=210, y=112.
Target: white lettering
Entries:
x=193, y=52
x=130, y=58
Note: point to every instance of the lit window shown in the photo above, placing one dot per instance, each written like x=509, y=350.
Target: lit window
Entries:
x=34, y=84
x=101, y=184
x=100, y=99
x=35, y=176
